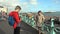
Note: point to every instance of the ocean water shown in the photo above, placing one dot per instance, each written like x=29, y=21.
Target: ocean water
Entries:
x=52, y=14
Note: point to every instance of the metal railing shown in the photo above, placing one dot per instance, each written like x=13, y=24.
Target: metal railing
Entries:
x=51, y=29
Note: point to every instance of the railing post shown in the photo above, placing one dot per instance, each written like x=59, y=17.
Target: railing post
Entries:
x=52, y=27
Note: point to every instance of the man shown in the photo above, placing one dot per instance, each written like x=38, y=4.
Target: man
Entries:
x=39, y=21
x=17, y=19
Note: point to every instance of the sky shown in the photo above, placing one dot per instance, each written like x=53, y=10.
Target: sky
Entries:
x=32, y=5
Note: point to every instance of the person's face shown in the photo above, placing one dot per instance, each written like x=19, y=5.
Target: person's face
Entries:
x=18, y=10
x=39, y=13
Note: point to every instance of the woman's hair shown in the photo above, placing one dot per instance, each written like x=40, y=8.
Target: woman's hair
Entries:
x=18, y=7
x=39, y=12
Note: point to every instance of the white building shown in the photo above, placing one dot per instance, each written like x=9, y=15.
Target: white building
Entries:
x=3, y=8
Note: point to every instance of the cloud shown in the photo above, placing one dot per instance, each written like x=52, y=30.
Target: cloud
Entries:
x=1, y=0
x=33, y=2
x=25, y=3
x=56, y=1
x=12, y=3
x=9, y=3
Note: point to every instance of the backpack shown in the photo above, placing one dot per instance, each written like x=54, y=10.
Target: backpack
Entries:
x=11, y=20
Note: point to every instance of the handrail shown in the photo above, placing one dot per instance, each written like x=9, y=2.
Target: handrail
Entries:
x=30, y=21
x=57, y=28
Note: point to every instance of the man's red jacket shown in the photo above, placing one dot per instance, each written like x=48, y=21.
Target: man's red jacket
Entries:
x=16, y=17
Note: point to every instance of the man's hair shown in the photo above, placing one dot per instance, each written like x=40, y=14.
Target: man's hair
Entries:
x=39, y=11
x=18, y=7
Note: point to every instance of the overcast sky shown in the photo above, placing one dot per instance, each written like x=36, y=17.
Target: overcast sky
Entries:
x=32, y=5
